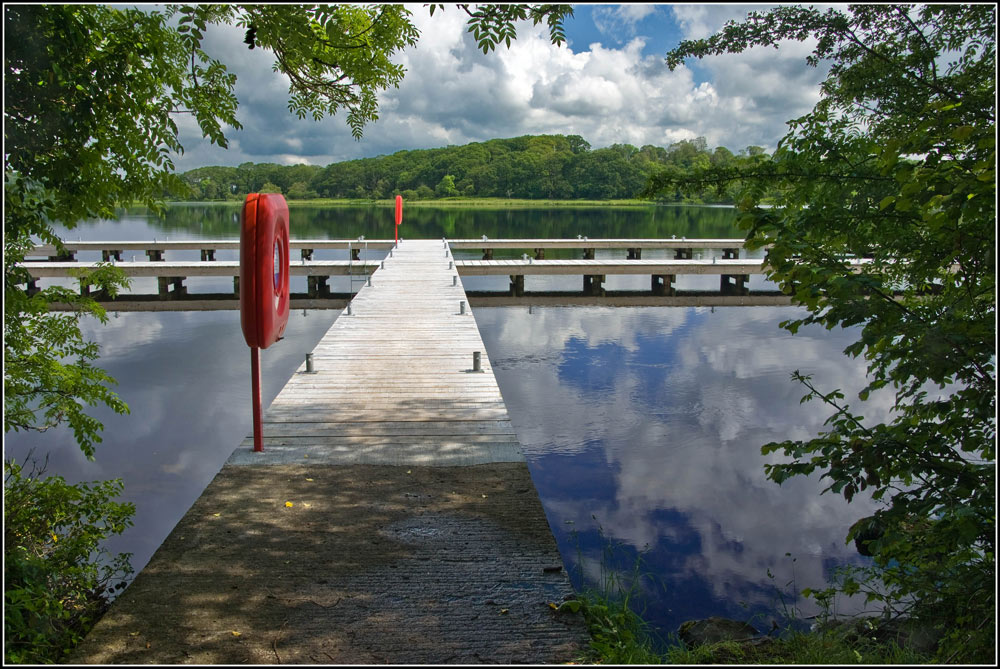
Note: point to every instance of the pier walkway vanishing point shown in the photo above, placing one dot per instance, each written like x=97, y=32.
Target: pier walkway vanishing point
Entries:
x=390, y=519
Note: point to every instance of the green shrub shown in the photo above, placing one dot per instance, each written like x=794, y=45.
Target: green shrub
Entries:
x=57, y=578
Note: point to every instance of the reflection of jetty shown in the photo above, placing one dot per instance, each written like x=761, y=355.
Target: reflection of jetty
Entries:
x=390, y=518
x=733, y=272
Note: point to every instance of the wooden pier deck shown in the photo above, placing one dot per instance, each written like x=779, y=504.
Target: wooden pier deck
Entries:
x=390, y=519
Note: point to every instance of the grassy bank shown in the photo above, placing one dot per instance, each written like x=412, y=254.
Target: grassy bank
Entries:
x=619, y=636
x=483, y=203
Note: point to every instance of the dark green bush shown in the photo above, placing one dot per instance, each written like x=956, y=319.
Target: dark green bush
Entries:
x=57, y=578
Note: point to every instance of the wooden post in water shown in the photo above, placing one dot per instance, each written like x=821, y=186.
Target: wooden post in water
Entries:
x=592, y=284
x=663, y=284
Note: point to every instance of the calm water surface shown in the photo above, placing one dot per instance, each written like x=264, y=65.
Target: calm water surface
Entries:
x=642, y=427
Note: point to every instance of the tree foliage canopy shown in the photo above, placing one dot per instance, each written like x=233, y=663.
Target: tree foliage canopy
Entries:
x=895, y=164
x=530, y=167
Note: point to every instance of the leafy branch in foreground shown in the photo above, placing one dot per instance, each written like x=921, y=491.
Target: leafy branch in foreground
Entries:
x=48, y=375
x=54, y=588
x=492, y=25
x=896, y=163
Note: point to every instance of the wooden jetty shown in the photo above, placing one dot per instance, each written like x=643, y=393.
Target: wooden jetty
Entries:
x=733, y=272
x=155, y=249
x=391, y=517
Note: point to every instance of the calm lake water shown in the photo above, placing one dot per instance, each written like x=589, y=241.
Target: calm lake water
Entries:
x=642, y=427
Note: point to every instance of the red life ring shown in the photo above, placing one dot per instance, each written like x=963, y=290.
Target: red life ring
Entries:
x=264, y=270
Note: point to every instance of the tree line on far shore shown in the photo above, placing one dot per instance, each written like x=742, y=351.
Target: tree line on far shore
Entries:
x=561, y=167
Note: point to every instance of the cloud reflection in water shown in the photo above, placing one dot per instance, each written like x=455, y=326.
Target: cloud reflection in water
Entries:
x=645, y=425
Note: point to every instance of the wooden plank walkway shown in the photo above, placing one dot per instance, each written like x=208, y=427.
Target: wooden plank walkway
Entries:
x=390, y=519
x=581, y=243
x=585, y=266
x=199, y=244
x=194, y=268
x=383, y=244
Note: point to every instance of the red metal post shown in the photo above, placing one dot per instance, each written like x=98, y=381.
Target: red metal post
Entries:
x=258, y=428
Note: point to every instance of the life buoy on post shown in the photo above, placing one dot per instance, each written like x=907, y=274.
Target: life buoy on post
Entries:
x=399, y=215
x=264, y=270
x=264, y=285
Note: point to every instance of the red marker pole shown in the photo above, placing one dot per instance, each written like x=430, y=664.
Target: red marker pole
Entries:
x=258, y=428
x=399, y=215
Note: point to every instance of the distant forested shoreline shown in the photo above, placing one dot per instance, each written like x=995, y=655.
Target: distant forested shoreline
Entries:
x=532, y=167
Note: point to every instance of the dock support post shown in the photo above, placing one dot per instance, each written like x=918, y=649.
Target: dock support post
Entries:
x=734, y=284
x=454, y=280
x=307, y=254
x=317, y=286
x=634, y=254
x=108, y=254
x=729, y=254
x=208, y=254
x=309, y=363
x=477, y=361
x=154, y=254
x=592, y=284
x=355, y=254
x=236, y=285
x=539, y=254
x=63, y=257
x=516, y=285
x=588, y=254
x=663, y=284
x=684, y=254
x=32, y=287
x=488, y=254
x=258, y=428
x=165, y=282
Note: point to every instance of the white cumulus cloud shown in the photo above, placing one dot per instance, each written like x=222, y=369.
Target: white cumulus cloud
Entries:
x=455, y=94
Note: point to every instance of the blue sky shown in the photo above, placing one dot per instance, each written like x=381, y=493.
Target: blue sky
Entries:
x=614, y=25
x=609, y=84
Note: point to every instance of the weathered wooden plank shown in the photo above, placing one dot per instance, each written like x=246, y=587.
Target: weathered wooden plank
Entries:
x=530, y=244
x=584, y=266
x=395, y=378
x=198, y=244
x=385, y=244
x=194, y=268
